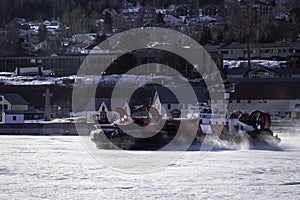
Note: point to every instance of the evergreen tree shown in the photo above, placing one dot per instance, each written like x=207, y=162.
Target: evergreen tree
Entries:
x=160, y=18
x=205, y=35
x=108, y=22
x=43, y=33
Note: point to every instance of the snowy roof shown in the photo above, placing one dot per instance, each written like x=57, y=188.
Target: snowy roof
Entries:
x=260, y=45
x=14, y=99
x=130, y=10
x=258, y=2
x=277, y=70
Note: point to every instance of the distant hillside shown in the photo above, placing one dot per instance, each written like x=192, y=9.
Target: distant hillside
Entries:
x=47, y=9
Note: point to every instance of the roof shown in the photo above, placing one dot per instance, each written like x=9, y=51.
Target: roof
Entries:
x=210, y=7
x=211, y=48
x=261, y=69
x=15, y=99
x=260, y=45
x=257, y=2
x=237, y=71
x=14, y=112
x=167, y=96
x=95, y=103
x=267, y=90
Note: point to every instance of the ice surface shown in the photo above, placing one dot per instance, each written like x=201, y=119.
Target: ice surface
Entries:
x=57, y=167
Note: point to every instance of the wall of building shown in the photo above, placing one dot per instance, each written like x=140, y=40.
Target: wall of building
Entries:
x=14, y=118
x=19, y=107
x=277, y=108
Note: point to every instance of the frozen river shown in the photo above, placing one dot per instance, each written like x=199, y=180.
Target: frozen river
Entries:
x=57, y=167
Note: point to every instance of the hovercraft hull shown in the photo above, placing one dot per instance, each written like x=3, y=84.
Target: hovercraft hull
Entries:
x=115, y=138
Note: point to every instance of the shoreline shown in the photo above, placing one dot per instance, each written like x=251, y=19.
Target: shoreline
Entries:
x=67, y=129
x=70, y=129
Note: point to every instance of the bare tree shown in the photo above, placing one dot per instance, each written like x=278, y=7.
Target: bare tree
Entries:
x=247, y=25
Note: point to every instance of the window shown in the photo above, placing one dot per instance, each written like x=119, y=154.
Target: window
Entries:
x=14, y=118
x=249, y=101
x=238, y=101
x=169, y=106
x=230, y=101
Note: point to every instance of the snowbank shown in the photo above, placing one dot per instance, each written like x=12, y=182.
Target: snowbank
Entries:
x=254, y=63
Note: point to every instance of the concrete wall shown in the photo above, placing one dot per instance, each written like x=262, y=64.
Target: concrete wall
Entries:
x=46, y=129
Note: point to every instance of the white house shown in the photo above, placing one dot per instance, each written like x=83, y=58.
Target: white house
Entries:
x=267, y=51
x=168, y=105
x=13, y=108
x=101, y=110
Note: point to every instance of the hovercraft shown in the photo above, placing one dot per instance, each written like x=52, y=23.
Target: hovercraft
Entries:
x=143, y=134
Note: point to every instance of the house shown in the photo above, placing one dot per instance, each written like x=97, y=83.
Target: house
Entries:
x=100, y=110
x=185, y=10
x=213, y=51
x=110, y=11
x=278, y=98
x=262, y=73
x=130, y=14
x=235, y=51
x=286, y=3
x=167, y=104
x=237, y=73
x=13, y=108
x=294, y=59
x=52, y=25
x=33, y=71
x=262, y=7
x=211, y=11
x=147, y=15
